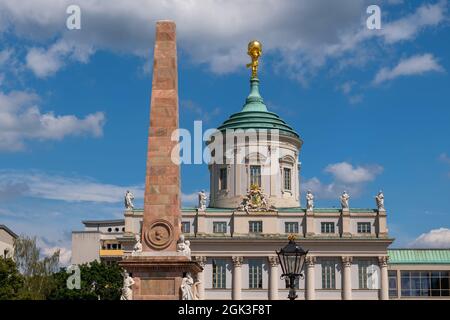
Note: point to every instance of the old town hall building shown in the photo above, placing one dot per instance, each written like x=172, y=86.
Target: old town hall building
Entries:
x=253, y=208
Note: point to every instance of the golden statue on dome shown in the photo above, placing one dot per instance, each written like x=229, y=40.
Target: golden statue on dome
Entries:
x=254, y=51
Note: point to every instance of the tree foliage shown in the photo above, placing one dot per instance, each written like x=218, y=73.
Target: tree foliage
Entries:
x=11, y=281
x=99, y=281
x=37, y=273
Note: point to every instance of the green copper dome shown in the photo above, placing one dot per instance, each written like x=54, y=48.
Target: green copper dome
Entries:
x=254, y=115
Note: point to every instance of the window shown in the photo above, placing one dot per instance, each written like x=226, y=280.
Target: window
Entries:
x=108, y=246
x=219, y=267
x=328, y=275
x=223, y=178
x=116, y=229
x=109, y=229
x=186, y=227
x=255, y=175
x=255, y=226
x=367, y=275
x=255, y=273
x=363, y=227
x=327, y=227
x=392, y=276
x=287, y=178
x=291, y=227
x=425, y=283
x=123, y=229
x=219, y=227
x=114, y=246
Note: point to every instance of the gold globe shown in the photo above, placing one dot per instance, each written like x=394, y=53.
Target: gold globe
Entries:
x=254, y=48
x=254, y=51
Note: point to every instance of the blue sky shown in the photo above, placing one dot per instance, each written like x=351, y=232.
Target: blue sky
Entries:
x=372, y=106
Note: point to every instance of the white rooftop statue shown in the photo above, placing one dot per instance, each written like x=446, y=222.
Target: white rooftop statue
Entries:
x=309, y=200
x=129, y=197
x=379, y=198
x=202, y=200
x=344, y=200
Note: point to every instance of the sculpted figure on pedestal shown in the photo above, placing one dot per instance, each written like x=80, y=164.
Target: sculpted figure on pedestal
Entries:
x=184, y=246
x=129, y=197
x=379, y=198
x=202, y=200
x=309, y=200
x=344, y=200
x=138, y=245
x=128, y=282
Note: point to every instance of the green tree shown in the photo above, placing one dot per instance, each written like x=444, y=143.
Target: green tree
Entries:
x=99, y=281
x=37, y=272
x=11, y=281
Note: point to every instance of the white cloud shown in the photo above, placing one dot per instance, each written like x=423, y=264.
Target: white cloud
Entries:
x=345, y=177
x=71, y=189
x=407, y=28
x=22, y=120
x=347, y=173
x=44, y=63
x=414, y=65
x=436, y=238
x=214, y=33
x=54, y=187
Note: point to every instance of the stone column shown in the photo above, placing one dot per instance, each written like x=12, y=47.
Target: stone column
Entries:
x=347, y=278
x=310, y=278
x=201, y=277
x=384, y=289
x=273, y=286
x=237, y=278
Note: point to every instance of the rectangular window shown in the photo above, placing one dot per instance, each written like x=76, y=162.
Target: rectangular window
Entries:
x=363, y=227
x=392, y=275
x=291, y=227
x=255, y=175
x=223, y=178
x=287, y=178
x=219, y=267
x=219, y=227
x=186, y=227
x=255, y=273
x=425, y=283
x=255, y=226
x=328, y=275
x=327, y=227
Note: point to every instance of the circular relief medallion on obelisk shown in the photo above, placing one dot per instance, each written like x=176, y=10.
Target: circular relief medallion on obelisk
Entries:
x=159, y=234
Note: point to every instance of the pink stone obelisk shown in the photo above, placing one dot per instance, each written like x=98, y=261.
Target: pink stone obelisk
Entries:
x=162, y=215
x=158, y=270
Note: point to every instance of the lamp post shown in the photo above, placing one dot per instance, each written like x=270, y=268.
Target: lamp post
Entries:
x=292, y=258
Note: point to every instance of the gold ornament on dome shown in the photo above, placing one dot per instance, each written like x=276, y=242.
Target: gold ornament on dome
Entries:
x=254, y=51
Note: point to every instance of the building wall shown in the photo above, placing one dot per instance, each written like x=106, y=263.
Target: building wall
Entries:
x=238, y=175
x=6, y=243
x=85, y=247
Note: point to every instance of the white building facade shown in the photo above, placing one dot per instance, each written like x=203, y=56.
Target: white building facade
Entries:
x=254, y=206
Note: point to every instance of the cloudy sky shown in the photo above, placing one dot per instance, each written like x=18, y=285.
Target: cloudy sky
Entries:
x=372, y=106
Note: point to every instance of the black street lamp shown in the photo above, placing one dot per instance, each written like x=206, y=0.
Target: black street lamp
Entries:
x=292, y=258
